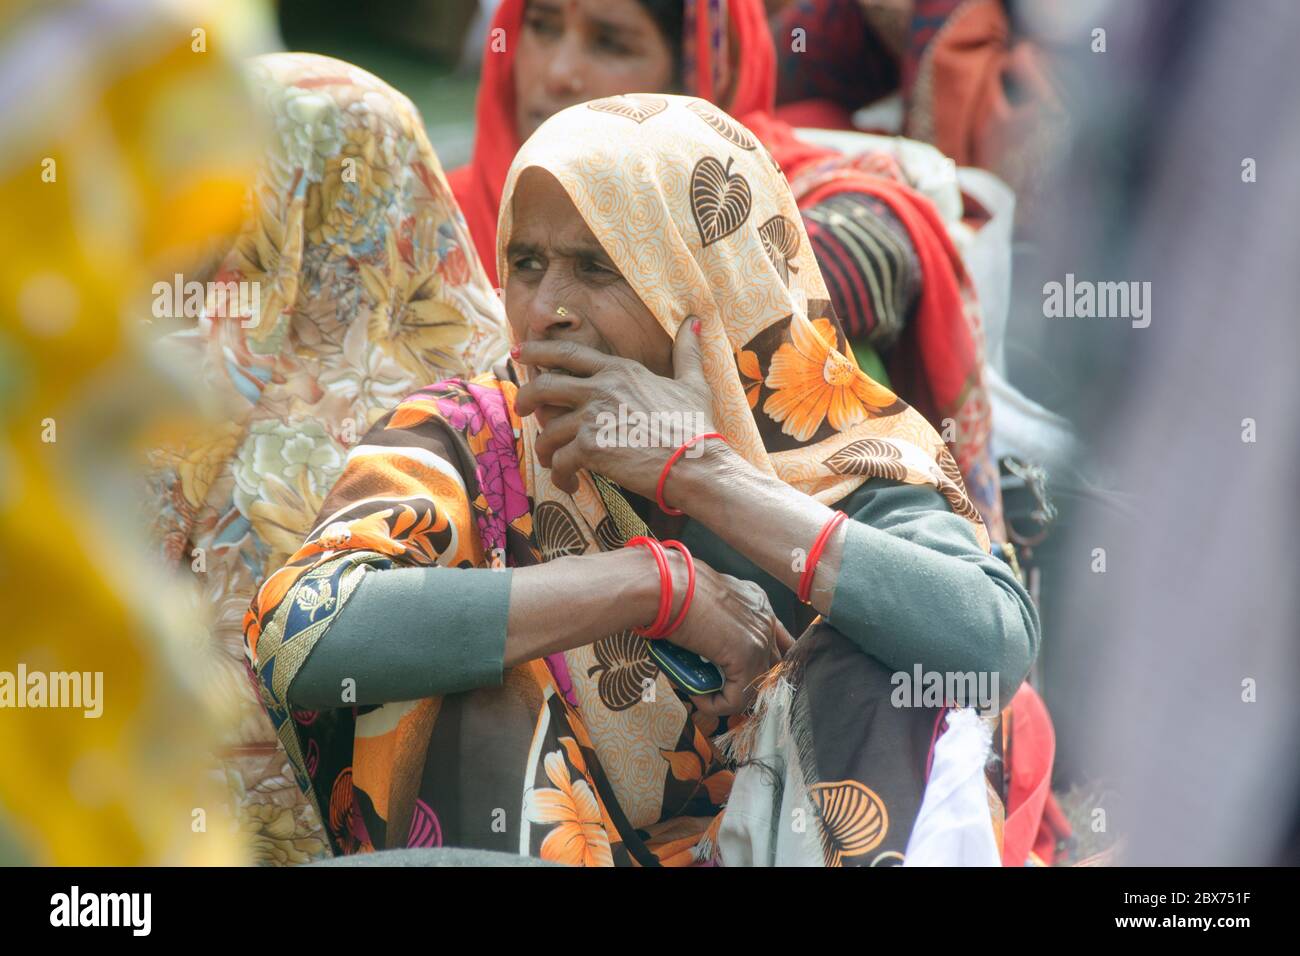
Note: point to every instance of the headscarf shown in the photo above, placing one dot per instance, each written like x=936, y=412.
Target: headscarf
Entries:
x=699, y=220
x=938, y=360
x=368, y=291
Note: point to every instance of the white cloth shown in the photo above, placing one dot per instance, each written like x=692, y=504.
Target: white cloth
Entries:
x=955, y=824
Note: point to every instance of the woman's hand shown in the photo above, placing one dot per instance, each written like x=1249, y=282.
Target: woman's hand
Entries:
x=622, y=420
x=731, y=623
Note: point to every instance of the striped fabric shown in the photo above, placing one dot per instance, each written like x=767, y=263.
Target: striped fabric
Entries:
x=869, y=265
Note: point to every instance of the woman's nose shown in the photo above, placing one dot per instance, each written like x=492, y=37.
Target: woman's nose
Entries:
x=547, y=315
x=564, y=72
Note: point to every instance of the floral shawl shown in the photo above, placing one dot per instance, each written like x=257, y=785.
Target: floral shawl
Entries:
x=590, y=756
x=369, y=289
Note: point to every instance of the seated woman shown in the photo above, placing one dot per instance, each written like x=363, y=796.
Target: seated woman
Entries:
x=449, y=657
x=896, y=281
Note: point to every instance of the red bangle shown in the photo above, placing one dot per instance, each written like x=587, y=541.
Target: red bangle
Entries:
x=815, y=555
x=690, y=586
x=672, y=460
x=665, y=586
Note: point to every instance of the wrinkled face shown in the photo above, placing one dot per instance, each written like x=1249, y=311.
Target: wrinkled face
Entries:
x=572, y=51
x=555, y=262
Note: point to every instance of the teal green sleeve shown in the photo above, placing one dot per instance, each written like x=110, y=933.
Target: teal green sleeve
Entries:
x=407, y=634
x=915, y=587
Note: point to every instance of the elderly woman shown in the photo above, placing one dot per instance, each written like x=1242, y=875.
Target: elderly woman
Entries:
x=450, y=657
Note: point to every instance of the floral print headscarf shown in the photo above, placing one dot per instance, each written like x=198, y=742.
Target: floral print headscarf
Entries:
x=369, y=288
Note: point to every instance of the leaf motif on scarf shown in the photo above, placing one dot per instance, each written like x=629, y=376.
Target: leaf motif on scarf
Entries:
x=853, y=819
x=871, y=457
x=341, y=808
x=630, y=106
x=724, y=126
x=952, y=486
x=720, y=201
x=557, y=532
x=781, y=242
x=607, y=534
x=623, y=664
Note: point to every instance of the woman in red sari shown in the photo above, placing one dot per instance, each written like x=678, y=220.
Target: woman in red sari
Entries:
x=893, y=275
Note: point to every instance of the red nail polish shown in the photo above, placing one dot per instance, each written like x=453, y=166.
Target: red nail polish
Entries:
x=514, y=352
x=695, y=326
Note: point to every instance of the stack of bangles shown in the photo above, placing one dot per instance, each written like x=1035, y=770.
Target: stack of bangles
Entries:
x=660, y=626
x=810, y=568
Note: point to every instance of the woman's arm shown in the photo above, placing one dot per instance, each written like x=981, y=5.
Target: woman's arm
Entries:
x=411, y=633
x=906, y=579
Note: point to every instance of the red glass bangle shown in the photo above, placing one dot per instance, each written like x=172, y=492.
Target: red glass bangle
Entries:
x=665, y=586
x=815, y=555
x=690, y=585
x=672, y=460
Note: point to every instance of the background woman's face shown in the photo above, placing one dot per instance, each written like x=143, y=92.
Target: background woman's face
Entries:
x=554, y=260
x=572, y=51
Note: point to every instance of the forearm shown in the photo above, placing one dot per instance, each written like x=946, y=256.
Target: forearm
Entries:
x=760, y=516
x=410, y=633
x=572, y=601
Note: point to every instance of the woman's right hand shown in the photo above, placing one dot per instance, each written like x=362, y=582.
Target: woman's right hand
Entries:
x=731, y=623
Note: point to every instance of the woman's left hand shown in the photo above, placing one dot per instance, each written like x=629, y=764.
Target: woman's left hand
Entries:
x=622, y=420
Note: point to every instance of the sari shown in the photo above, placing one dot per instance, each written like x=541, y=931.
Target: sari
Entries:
x=938, y=360
x=590, y=756
x=369, y=289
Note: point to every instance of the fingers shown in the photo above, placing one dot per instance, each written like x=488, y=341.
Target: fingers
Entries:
x=565, y=465
x=559, y=431
x=720, y=704
x=547, y=388
x=688, y=365
x=579, y=359
x=784, y=642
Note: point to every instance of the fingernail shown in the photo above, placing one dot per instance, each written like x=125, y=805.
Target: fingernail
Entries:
x=514, y=352
x=695, y=326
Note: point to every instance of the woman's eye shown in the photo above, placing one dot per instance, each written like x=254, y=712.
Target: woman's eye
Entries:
x=592, y=267
x=542, y=26
x=527, y=264
x=607, y=43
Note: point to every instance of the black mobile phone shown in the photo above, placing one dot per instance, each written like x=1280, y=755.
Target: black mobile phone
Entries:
x=686, y=669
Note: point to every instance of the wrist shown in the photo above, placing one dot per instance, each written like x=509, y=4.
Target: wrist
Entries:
x=701, y=470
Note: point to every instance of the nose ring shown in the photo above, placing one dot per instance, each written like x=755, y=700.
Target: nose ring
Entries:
x=561, y=310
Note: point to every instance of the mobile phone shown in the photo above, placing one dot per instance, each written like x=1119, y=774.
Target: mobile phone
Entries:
x=686, y=669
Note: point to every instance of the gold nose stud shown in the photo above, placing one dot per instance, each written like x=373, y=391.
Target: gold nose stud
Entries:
x=561, y=310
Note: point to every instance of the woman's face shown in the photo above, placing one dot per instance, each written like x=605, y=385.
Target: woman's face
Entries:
x=572, y=51
x=555, y=262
